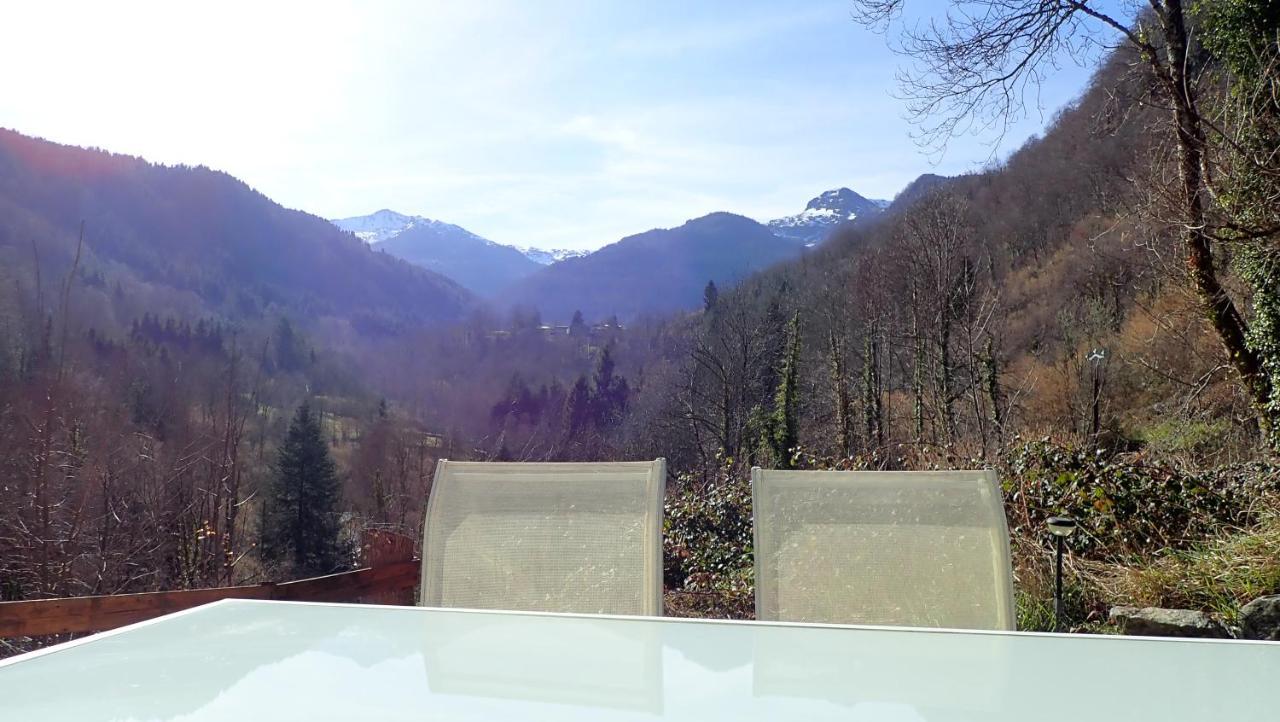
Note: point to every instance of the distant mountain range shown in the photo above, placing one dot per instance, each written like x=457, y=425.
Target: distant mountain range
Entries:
x=201, y=242
x=669, y=267
x=479, y=264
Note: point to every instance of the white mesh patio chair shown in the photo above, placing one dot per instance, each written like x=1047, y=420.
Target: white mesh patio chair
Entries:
x=550, y=537
x=900, y=548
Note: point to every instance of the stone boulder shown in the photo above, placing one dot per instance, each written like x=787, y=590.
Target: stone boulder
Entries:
x=1157, y=622
x=1260, y=619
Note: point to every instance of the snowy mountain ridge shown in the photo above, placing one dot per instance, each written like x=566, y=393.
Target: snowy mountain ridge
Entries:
x=384, y=225
x=546, y=257
x=823, y=214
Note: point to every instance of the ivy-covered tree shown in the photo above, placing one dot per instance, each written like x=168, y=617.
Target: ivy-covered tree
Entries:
x=1243, y=36
x=300, y=518
x=783, y=434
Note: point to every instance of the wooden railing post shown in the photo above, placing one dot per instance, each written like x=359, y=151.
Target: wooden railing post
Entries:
x=379, y=548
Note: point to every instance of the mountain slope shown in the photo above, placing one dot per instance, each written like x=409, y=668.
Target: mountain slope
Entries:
x=824, y=214
x=919, y=188
x=477, y=263
x=656, y=271
x=197, y=241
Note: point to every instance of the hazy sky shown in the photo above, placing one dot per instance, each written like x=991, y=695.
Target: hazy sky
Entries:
x=552, y=123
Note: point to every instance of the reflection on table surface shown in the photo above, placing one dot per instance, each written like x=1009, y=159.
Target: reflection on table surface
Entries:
x=577, y=661
x=271, y=660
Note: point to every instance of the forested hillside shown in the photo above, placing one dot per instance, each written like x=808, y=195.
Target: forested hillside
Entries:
x=158, y=326
x=194, y=241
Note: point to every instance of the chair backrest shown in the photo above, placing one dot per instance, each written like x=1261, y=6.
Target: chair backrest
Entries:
x=583, y=538
x=903, y=548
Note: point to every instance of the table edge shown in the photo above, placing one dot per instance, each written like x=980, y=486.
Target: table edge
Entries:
x=74, y=643
x=759, y=623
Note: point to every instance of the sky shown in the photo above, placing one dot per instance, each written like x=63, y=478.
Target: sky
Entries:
x=557, y=123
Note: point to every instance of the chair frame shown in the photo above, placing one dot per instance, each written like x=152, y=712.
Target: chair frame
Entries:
x=655, y=489
x=1006, y=611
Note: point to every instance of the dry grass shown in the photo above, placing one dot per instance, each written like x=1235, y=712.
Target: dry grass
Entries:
x=709, y=605
x=1085, y=604
x=1217, y=575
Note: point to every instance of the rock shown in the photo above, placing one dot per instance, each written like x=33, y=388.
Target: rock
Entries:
x=1157, y=622
x=1260, y=619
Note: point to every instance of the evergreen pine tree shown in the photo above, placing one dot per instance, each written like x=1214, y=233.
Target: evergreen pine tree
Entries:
x=611, y=391
x=300, y=519
x=578, y=326
x=578, y=407
x=291, y=349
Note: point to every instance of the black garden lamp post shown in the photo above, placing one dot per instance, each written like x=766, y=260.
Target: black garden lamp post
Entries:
x=1060, y=527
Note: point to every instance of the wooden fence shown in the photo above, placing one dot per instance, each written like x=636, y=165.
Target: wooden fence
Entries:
x=389, y=576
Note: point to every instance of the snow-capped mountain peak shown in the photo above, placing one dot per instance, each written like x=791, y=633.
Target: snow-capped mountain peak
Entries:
x=378, y=226
x=842, y=201
x=823, y=213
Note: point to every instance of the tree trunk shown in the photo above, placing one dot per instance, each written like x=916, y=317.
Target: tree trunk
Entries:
x=840, y=382
x=917, y=379
x=871, y=404
x=946, y=381
x=991, y=375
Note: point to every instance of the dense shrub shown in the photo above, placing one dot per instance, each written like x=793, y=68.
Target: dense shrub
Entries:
x=707, y=535
x=1128, y=507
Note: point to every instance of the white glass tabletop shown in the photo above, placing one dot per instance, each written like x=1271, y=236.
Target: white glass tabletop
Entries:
x=250, y=660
